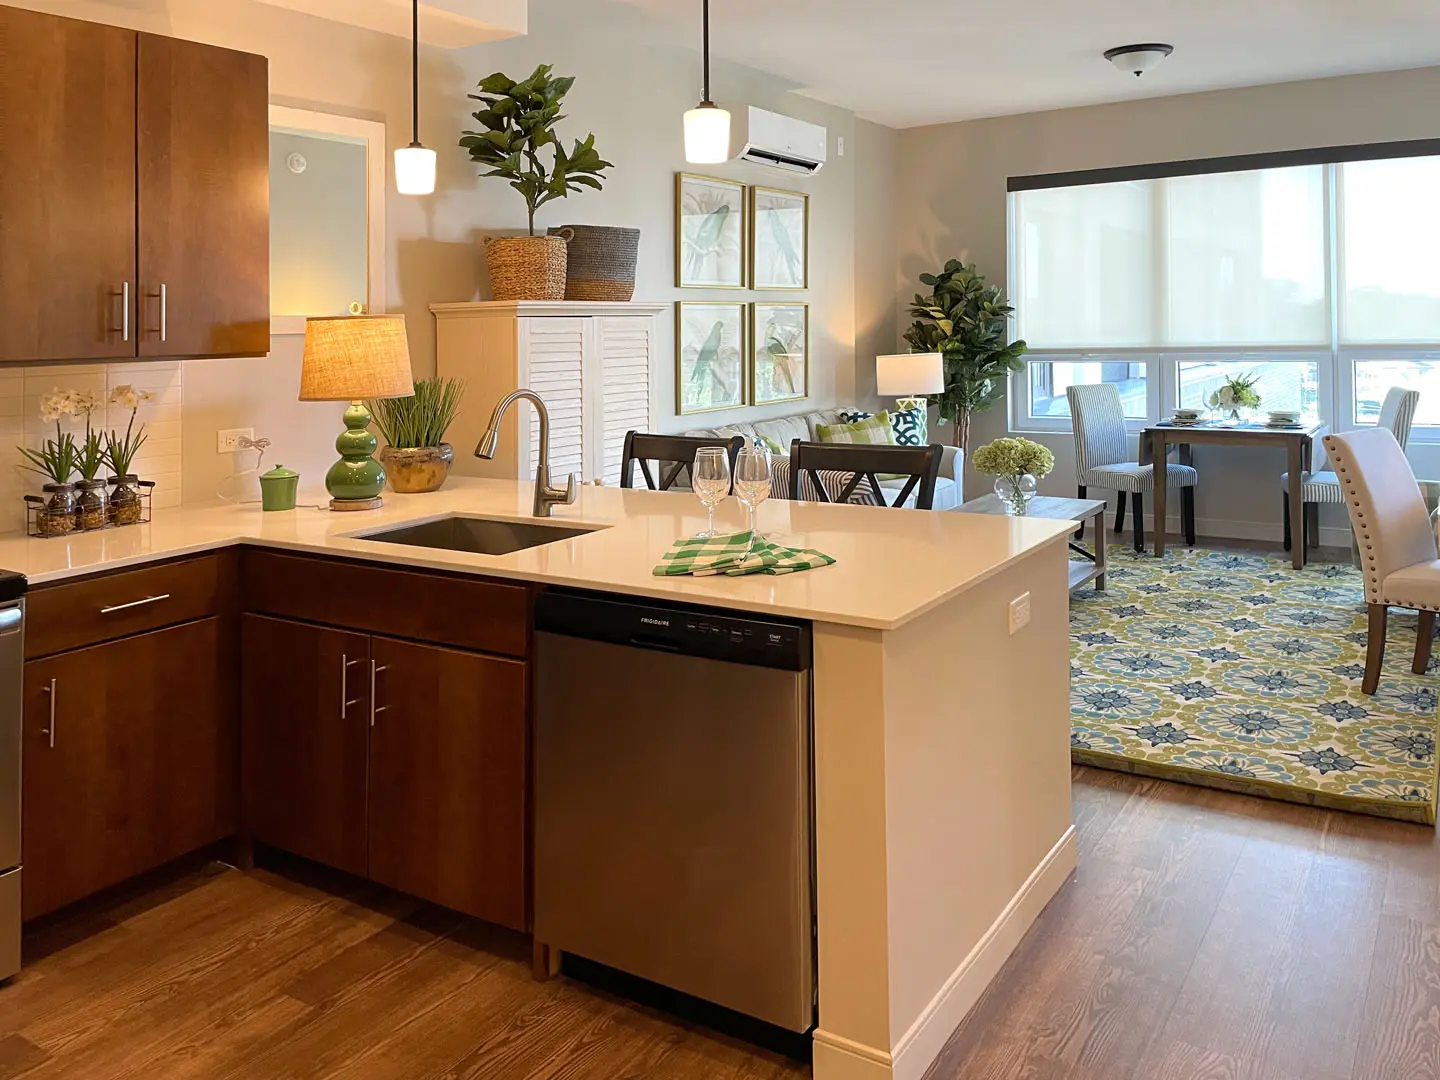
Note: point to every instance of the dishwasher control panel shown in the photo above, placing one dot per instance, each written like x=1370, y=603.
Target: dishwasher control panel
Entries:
x=703, y=632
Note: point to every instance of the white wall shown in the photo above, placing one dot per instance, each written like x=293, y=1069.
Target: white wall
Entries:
x=951, y=201
x=629, y=94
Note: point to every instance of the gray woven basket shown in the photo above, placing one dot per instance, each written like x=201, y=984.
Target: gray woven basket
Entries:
x=601, y=262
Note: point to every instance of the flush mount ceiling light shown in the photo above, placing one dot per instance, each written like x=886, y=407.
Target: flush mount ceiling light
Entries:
x=1138, y=59
x=707, y=126
x=414, y=164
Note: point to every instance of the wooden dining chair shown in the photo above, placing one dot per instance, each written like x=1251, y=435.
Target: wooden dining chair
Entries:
x=813, y=466
x=1396, y=541
x=672, y=454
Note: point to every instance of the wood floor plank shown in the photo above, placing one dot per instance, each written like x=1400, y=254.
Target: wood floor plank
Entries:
x=18, y=1055
x=1401, y=1019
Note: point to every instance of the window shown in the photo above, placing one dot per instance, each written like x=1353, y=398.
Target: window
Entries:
x=1322, y=280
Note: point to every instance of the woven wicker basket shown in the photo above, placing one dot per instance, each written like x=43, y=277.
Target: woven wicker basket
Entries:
x=601, y=262
x=526, y=267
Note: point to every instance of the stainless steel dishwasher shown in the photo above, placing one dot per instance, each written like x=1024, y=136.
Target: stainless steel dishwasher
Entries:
x=12, y=677
x=673, y=819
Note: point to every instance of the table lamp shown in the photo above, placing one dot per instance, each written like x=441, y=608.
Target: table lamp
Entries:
x=351, y=358
x=908, y=377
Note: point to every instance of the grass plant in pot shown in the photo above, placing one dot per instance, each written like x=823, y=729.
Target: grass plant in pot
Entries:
x=125, y=506
x=56, y=461
x=517, y=135
x=416, y=456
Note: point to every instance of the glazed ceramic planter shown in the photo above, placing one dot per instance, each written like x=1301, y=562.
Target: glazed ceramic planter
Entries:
x=419, y=469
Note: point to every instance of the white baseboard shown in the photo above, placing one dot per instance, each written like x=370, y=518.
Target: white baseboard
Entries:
x=838, y=1058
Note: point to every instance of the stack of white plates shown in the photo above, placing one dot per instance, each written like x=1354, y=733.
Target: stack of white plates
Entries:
x=1187, y=418
x=1284, y=418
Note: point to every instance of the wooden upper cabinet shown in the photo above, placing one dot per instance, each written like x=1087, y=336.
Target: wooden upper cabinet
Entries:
x=203, y=138
x=67, y=188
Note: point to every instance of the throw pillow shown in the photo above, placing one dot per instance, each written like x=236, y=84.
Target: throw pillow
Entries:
x=851, y=416
x=909, y=427
x=770, y=444
x=873, y=431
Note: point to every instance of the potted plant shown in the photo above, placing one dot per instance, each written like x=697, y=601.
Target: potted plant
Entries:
x=1016, y=465
x=416, y=456
x=126, y=507
x=55, y=460
x=518, y=121
x=1236, y=393
x=90, y=508
x=966, y=322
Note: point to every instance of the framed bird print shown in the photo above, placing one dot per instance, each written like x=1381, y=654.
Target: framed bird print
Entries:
x=779, y=352
x=779, y=238
x=710, y=357
x=709, y=233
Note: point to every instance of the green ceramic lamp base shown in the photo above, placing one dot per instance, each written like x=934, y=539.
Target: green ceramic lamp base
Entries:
x=356, y=480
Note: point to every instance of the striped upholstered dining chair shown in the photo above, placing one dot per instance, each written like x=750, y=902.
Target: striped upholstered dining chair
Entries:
x=1397, y=545
x=1397, y=414
x=1101, y=460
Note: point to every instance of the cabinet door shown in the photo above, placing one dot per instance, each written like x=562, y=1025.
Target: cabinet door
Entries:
x=67, y=188
x=552, y=363
x=204, y=200
x=305, y=705
x=447, y=778
x=127, y=757
x=624, y=346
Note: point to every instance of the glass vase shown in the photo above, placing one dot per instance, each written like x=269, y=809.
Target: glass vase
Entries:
x=125, y=504
x=1015, y=492
x=57, y=516
x=91, y=511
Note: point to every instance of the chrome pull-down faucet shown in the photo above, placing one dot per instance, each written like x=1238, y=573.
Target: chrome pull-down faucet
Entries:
x=546, y=496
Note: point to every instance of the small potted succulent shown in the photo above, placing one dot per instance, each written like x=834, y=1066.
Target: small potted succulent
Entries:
x=416, y=456
x=1016, y=464
x=56, y=460
x=126, y=506
x=90, y=509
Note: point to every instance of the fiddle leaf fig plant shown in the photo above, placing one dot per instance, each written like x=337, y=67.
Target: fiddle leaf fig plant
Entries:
x=518, y=122
x=966, y=322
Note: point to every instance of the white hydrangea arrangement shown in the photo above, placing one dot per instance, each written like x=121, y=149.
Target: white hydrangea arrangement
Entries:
x=1013, y=457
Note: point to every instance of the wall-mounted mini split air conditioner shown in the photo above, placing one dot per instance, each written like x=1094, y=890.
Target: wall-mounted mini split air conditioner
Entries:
x=781, y=142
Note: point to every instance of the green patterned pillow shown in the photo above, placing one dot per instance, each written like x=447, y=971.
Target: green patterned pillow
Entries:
x=873, y=430
x=770, y=444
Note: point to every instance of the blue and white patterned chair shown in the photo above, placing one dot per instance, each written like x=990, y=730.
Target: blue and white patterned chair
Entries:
x=1397, y=415
x=1102, y=460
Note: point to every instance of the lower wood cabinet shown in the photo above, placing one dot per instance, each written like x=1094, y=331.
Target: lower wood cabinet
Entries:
x=403, y=762
x=305, y=708
x=128, y=755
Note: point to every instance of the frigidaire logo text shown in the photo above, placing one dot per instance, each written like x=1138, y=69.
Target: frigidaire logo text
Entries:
x=654, y=622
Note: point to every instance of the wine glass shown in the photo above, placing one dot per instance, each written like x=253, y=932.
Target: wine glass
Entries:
x=752, y=481
x=711, y=481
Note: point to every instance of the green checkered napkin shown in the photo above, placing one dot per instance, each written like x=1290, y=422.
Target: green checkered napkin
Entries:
x=736, y=556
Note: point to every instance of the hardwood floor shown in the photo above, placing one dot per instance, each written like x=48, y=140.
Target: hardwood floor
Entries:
x=1207, y=937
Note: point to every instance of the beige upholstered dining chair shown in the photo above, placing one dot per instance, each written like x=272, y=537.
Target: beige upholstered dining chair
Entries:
x=1397, y=416
x=1396, y=542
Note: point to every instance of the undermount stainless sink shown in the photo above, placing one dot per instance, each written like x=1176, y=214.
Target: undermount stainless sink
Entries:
x=483, y=536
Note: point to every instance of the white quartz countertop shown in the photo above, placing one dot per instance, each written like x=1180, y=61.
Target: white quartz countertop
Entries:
x=891, y=565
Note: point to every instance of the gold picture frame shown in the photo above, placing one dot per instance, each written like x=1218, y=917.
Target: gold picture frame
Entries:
x=716, y=363
x=712, y=244
x=775, y=230
x=773, y=341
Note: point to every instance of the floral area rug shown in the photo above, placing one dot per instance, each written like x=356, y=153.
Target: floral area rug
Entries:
x=1239, y=672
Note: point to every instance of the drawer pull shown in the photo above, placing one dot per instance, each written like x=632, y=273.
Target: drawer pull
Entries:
x=134, y=604
x=374, y=709
x=50, y=731
x=345, y=699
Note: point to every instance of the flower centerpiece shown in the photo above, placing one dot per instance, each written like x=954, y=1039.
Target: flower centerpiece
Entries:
x=126, y=507
x=1016, y=465
x=1236, y=393
x=56, y=460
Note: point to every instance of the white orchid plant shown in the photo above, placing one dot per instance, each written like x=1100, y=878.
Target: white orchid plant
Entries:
x=120, y=453
x=57, y=459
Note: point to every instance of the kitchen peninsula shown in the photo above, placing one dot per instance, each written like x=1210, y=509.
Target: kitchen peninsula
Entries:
x=940, y=689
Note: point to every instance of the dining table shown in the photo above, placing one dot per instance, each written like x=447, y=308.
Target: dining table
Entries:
x=1297, y=441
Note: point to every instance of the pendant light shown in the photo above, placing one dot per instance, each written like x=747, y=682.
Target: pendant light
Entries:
x=414, y=164
x=707, y=126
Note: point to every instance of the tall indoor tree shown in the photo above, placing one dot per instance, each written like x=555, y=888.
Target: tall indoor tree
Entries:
x=966, y=322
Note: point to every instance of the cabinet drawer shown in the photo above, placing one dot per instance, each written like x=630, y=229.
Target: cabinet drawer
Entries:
x=61, y=617
x=444, y=609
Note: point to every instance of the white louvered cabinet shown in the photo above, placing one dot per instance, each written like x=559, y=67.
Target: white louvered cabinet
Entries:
x=589, y=361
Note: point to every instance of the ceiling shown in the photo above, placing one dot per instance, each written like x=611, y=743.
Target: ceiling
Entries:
x=911, y=62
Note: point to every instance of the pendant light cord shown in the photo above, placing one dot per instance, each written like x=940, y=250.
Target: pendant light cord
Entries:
x=415, y=73
x=705, y=20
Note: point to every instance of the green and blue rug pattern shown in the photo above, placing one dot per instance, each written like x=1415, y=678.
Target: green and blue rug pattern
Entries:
x=1237, y=671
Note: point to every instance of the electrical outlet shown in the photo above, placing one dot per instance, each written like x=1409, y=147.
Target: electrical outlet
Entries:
x=1020, y=612
x=228, y=440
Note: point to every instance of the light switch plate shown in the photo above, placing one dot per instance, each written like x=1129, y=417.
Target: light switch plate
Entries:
x=227, y=441
x=1020, y=612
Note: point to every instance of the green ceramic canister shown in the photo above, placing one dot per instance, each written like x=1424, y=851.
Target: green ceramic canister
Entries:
x=278, y=488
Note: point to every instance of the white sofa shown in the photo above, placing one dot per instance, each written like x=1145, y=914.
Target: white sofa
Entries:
x=783, y=430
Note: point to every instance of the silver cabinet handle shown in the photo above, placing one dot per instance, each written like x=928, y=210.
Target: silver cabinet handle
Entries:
x=345, y=699
x=50, y=731
x=134, y=604
x=164, y=312
x=124, y=311
x=374, y=709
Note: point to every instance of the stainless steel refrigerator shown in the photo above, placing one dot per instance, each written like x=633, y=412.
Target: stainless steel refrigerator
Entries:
x=12, y=675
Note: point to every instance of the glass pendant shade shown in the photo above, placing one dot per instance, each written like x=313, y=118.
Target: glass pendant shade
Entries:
x=707, y=135
x=415, y=170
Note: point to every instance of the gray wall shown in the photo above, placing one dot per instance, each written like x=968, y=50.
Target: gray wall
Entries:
x=951, y=202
